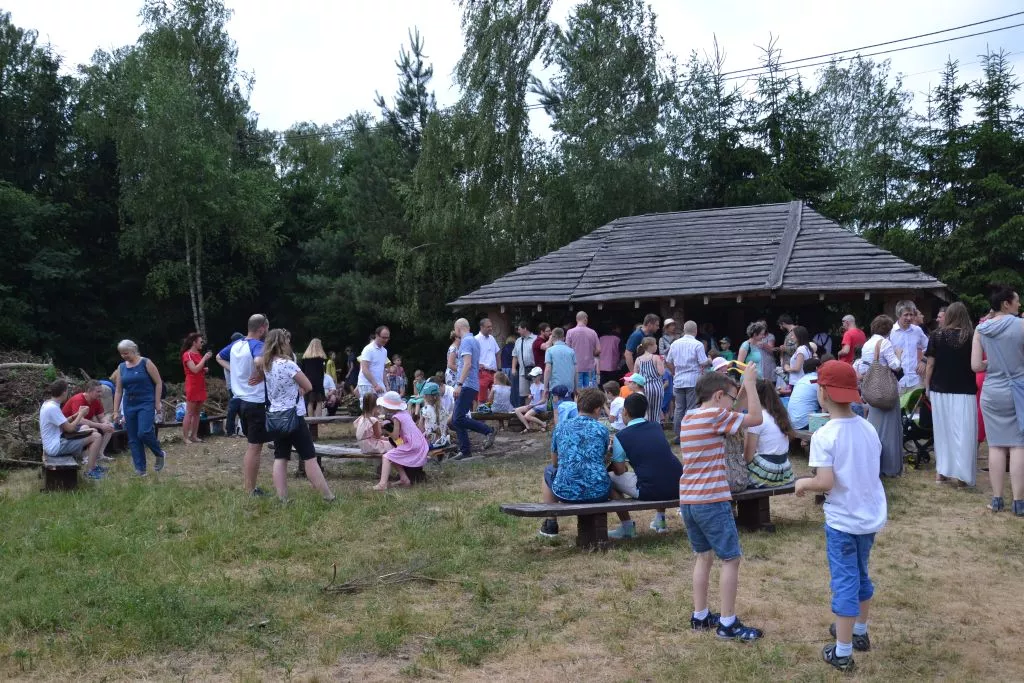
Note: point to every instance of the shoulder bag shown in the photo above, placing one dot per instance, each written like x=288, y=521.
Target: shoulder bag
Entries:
x=879, y=386
x=279, y=423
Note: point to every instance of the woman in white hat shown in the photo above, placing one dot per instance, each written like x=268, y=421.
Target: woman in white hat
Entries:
x=412, y=447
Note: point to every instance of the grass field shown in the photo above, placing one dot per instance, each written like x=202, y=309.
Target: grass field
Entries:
x=181, y=577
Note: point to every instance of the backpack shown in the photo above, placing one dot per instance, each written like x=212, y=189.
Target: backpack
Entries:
x=879, y=386
x=735, y=464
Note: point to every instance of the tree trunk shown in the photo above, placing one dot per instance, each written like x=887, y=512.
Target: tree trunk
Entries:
x=191, y=280
x=199, y=284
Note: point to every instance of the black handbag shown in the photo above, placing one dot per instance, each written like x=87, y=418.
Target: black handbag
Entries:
x=279, y=423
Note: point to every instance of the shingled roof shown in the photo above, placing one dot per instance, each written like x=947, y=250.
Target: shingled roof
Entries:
x=779, y=248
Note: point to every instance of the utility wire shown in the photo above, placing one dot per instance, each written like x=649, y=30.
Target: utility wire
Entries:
x=889, y=42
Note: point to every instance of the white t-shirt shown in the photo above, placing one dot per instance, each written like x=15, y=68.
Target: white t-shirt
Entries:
x=794, y=376
x=615, y=413
x=378, y=358
x=489, y=351
x=50, y=421
x=770, y=439
x=329, y=383
x=448, y=400
x=856, y=504
x=281, y=387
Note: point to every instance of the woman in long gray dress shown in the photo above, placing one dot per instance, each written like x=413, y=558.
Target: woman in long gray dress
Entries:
x=1001, y=338
x=887, y=423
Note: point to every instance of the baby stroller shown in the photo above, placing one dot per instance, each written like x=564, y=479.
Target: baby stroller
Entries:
x=918, y=438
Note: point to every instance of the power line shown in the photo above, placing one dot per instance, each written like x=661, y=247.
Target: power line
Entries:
x=889, y=42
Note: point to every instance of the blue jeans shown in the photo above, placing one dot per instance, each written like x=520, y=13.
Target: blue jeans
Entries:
x=848, y=564
x=234, y=409
x=463, y=423
x=138, y=422
x=711, y=526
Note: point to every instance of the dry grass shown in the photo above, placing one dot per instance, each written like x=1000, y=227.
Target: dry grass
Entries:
x=947, y=572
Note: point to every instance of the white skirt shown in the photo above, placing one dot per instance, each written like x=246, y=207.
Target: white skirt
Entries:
x=955, y=423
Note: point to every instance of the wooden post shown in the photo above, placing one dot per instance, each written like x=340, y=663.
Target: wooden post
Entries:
x=592, y=531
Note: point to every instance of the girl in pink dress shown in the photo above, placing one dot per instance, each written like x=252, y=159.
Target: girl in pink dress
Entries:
x=368, y=430
x=412, y=451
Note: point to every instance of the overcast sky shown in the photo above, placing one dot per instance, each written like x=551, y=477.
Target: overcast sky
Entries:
x=321, y=60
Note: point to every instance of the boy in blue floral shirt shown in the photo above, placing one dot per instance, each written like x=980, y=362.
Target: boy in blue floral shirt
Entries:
x=577, y=473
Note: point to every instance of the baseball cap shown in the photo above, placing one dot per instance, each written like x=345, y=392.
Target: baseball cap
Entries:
x=560, y=390
x=636, y=378
x=839, y=380
x=536, y=372
x=430, y=389
x=669, y=321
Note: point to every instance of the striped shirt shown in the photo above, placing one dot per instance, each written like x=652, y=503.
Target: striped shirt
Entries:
x=703, y=449
x=686, y=356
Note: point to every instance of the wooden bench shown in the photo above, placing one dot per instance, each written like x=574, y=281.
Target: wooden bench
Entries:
x=314, y=423
x=500, y=418
x=753, y=512
x=204, y=424
x=60, y=474
x=346, y=452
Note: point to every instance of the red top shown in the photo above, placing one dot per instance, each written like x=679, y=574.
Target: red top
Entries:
x=70, y=408
x=855, y=338
x=195, y=382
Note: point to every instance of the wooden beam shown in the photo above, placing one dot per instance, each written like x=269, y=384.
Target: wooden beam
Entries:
x=821, y=296
x=786, y=244
x=540, y=307
x=739, y=298
x=706, y=300
x=636, y=303
x=600, y=307
x=867, y=296
x=672, y=303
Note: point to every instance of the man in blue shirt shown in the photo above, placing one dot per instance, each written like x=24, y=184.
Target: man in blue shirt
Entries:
x=467, y=385
x=656, y=469
x=651, y=324
x=559, y=363
x=239, y=359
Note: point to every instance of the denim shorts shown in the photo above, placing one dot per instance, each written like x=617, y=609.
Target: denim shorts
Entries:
x=586, y=380
x=711, y=526
x=848, y=564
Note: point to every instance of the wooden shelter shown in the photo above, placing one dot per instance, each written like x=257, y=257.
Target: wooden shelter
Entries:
x=770, y=257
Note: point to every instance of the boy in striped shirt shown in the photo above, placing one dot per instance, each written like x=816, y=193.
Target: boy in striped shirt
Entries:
x=705, y=500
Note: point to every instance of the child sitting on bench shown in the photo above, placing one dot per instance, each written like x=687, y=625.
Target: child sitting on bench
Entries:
x=529, y=414
x=369, y=433
x=411, y=447
x=656, y=470
x=577, y=472
x=433, y=417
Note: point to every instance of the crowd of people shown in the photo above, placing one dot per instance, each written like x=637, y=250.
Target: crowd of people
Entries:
x=607, y=402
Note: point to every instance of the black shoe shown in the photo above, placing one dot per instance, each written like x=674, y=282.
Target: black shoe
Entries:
x=489, y=439
x=738, y=631
x=549, y=529
x=860, y=643
x=844, y=664
x=706, y=624
x=258, y=492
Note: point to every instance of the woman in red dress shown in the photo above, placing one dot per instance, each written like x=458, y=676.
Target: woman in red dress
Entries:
x=195, y=384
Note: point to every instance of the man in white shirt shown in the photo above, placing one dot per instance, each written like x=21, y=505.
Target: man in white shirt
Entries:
x=54, y=428
x=522, y=361
x=239, y=359
x=909, y=342
x=686, y=361
x=372, y=361
x=489, y=351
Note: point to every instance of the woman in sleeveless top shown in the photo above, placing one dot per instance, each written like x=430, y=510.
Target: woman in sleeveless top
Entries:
x=652, y=367
x=750, y=350
x=138, y=382
x=1000, y=339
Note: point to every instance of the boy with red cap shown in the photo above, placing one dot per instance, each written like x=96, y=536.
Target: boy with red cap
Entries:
x=847, y=454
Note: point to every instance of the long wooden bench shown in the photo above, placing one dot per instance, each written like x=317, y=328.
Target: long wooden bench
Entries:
x=352, y=452
x=500, y=418
x=753, y=512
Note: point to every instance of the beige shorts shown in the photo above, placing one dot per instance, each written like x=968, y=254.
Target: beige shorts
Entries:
x=625, y=483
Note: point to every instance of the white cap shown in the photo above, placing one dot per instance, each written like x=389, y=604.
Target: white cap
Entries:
x=536, y=372
x=669, y=321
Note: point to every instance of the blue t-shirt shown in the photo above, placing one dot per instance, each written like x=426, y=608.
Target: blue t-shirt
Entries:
x=803, y=401
x=241, y=355
x=567, y=409
x=580, y=443
x=469, y=348
x=633, y=343
x=563, y=365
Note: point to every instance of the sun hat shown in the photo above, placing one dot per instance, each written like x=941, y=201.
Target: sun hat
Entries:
x=636, y=378
x=560, y=390
x=717, y=363
x=537, y=371
x=839, y=380
x=669, y=321
x=391, y=401
x=430, y=389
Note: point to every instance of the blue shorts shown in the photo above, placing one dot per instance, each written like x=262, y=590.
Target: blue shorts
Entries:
x=848, y=564
x=711, y=526
x=586, y=380
x=549, y=479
